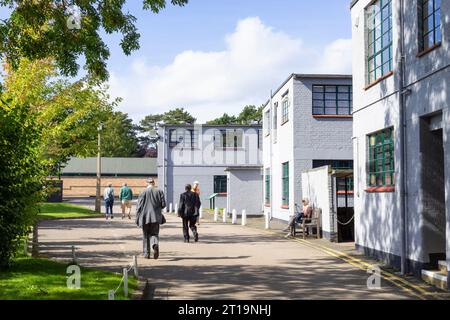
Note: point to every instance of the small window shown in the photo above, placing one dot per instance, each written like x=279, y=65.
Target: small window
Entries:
x=275, y=122
x=332, y=100
x=267, y=123
x=429, y=23
x=381, y=159
x=220, y=184
x=267, y=181
x=228, y=139
x=285, y=110
x=285, y=184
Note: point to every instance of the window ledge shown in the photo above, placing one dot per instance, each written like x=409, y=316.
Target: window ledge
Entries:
x=387, y=75
x=380, y=189
x=267, y=205
x=428, y=50
x=222, y=194
x=329, y=116
x=343, y=192
x=284, y=207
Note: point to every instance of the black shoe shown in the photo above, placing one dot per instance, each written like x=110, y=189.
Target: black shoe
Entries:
x=156, y=252
x=186, y=240
x=196, y=237
x=146, y=256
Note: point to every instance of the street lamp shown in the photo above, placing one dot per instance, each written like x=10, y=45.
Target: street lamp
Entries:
x=98, y=200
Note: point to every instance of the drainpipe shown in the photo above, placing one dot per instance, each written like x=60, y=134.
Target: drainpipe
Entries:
x=271, y=154
x=403, y=151
x=164, y=161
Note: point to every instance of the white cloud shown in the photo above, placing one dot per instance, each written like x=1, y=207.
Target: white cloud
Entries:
x=256, y=59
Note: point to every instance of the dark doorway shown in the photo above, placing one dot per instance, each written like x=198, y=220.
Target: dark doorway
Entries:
x=433, y=191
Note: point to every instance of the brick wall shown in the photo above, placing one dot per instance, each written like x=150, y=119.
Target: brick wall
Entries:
x=86, y=186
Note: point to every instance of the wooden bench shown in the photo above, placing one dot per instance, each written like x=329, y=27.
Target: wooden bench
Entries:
x=309, y=224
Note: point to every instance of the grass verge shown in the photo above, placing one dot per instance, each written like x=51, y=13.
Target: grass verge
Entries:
x=64, y=211
x=42, y=279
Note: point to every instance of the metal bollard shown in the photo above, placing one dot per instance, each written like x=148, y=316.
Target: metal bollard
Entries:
x=111, y=295
x=267, y=221
x=135, y=267
x=234, y=217
x=244, y=217
x=225, y=211
x=201, y=213
x=170, y=208
x=216, y=214
x=176, y=207
x=125, y=282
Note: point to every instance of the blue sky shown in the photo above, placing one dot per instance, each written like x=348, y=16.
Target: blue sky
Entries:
x=216, y=56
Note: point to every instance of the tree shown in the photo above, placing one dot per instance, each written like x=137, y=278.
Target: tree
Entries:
x=178, y=116
x=119, y=136
x=223, y=120
x=54, y=28
x=69, y=113
x=249, y=115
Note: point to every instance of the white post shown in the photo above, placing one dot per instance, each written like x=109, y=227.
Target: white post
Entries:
x=234, y=217
x=244, y=217
x=170, y=208
x=135, y=267
x=125, y=282
x=216, y=214
x=201, y=213
x=176, y=207
x=267, y=221
x=74, y=258
x=225, y=211
x=25, y=246
x=111, y=295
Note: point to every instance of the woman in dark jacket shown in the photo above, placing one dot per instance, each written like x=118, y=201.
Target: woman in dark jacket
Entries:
x=189, y=211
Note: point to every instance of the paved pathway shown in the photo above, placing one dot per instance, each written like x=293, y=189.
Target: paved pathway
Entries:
x=229, y=262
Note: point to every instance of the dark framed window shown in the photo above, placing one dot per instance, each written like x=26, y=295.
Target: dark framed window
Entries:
x=335, y=164
x=267, y=182
x=379, y=39
x=381, y=170
x=429, y=23
x=220, y=184
x=183, y=138
x=285, y=110
x=332, y=100
x=260, y=139
x=228, y=139
x=285, y=184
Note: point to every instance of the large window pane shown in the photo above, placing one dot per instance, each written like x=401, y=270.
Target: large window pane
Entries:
x=335, y=96
x=430, y=13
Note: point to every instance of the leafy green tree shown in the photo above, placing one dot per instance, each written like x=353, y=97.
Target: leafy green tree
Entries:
x=223, y=120
x=21, y=176
x=178, y=116
x=54, y=28
x=69, y=113
x=119, y=136
x=250, y=115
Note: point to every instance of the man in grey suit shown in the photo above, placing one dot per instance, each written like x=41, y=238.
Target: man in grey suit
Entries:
x=149, y=217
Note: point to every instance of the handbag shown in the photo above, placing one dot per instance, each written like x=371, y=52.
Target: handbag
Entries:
x=163, y=220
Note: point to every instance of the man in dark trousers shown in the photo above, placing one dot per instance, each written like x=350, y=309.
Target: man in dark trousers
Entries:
x=149, y=217
x=189, y=211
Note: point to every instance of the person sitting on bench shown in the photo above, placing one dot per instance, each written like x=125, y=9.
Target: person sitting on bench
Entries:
x=298, y=218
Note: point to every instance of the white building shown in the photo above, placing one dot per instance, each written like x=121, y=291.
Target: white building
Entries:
x=307, y=123
x=401, y=75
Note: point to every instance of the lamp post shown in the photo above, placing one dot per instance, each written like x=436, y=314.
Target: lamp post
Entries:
x=99, y=171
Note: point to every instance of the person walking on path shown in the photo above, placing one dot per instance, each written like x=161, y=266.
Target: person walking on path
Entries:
x=196, y=189
x=188, y=211
x=125, y=197
x=149, y=217
x=108, y=196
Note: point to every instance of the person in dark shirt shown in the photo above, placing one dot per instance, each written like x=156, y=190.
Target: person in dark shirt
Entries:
x=189, y=212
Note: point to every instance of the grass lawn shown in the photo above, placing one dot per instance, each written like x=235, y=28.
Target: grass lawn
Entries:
x=64, y=210
x=42, y=279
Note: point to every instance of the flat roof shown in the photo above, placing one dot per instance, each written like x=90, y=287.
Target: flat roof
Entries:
x=353, y=3
x=309, y=76
x=212, y=125
x=112, y=166
x=231, y=168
